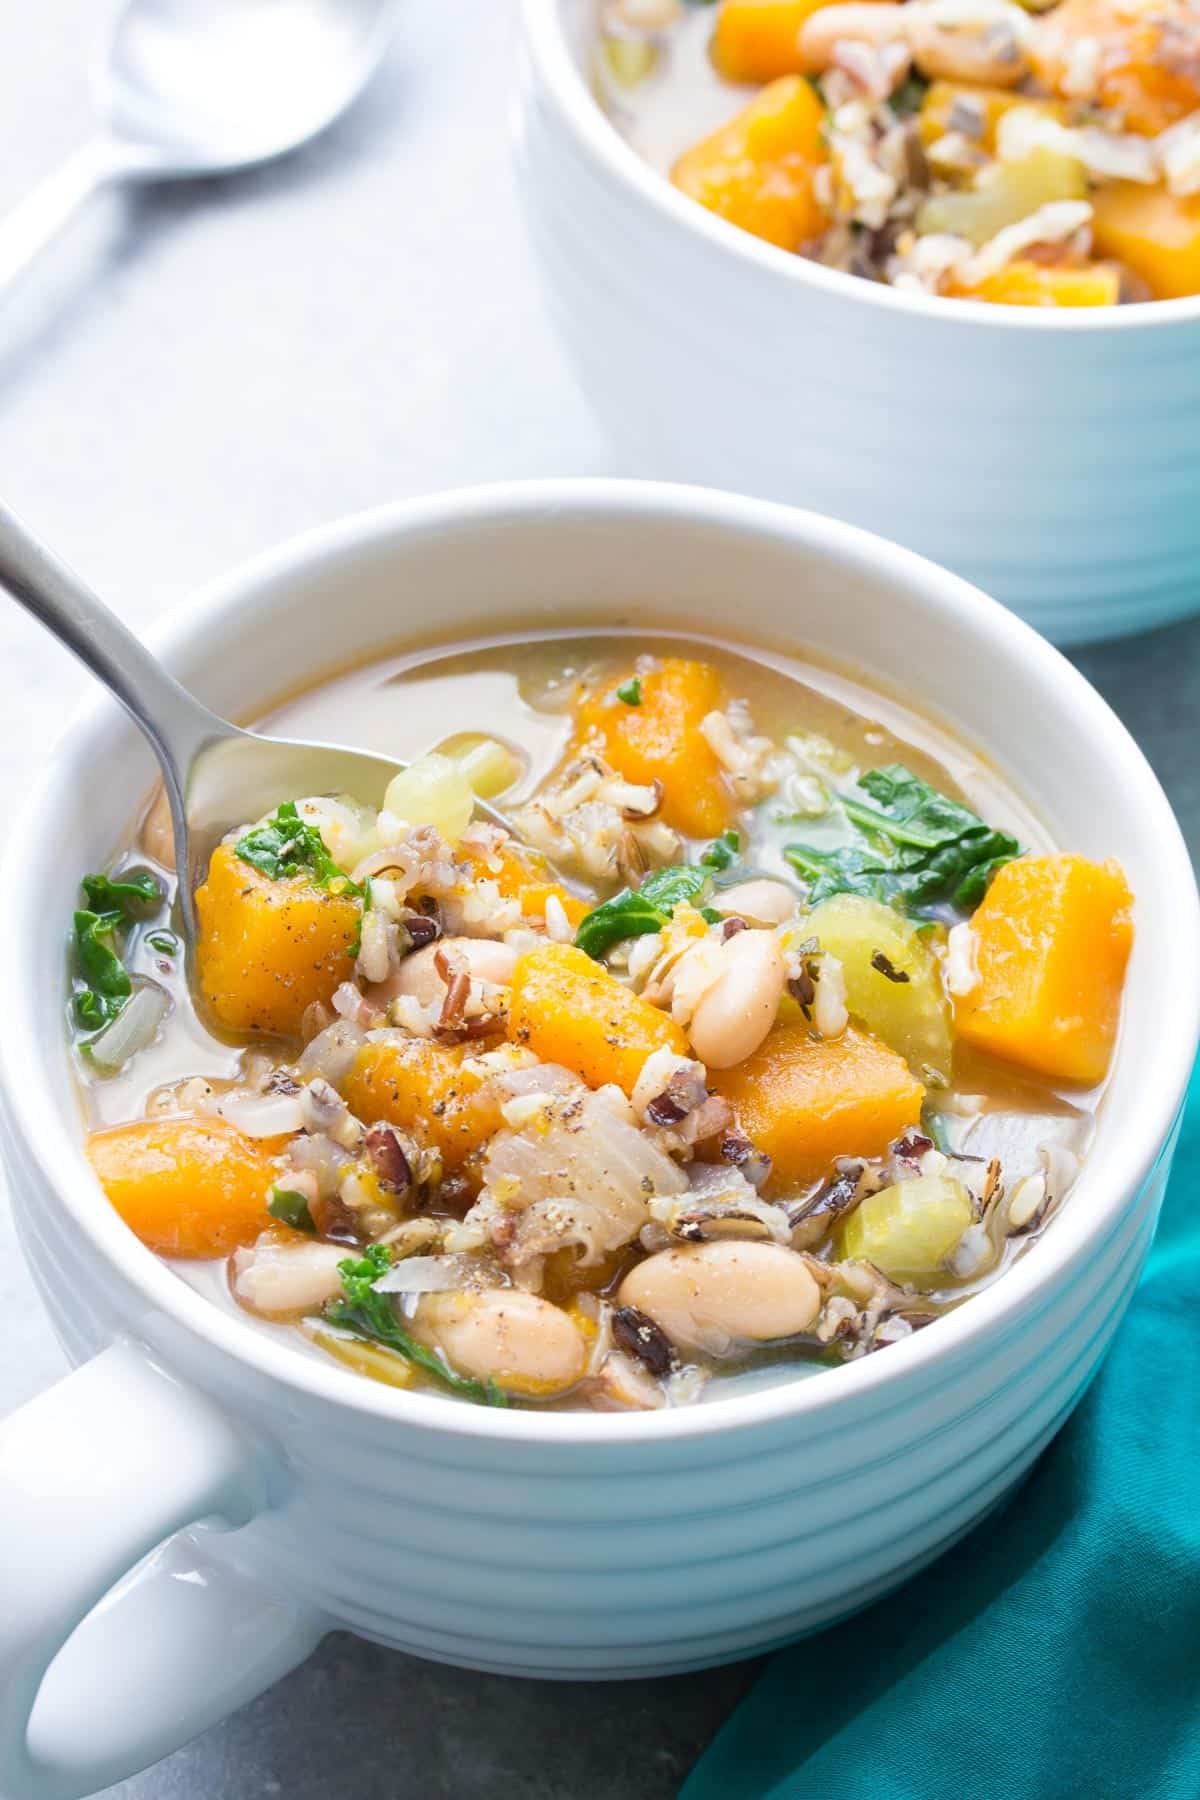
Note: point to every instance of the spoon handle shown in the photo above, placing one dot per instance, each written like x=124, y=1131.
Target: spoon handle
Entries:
x=40, y=216
x=175, y=723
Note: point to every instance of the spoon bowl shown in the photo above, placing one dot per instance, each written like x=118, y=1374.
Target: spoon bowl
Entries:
x=216, y=776
x=238, y=776
x=201, y=87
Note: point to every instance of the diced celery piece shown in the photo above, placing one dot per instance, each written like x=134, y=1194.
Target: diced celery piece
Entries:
x=490, y=766
x=629, y=60
x=908, y=1230
x=1003, y=194
x=893, y=982
x=432, y=791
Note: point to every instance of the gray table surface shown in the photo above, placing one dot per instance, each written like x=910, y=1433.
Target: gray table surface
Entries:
x=194, y=374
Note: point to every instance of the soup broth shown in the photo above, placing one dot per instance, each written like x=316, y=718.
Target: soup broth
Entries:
x=707, y=1071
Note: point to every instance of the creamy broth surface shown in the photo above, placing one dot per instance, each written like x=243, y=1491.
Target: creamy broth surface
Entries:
x=520, y=690
x=684, y=101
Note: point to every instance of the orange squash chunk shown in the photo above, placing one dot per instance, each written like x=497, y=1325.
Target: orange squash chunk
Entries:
x=1154, y=233
x=1032, y=284
x=265, y=949
x=938, y=108
x=806, y=1100
x=757, y=170
x=523, y=875
x=1054, y=934
x=758, y=40
x=568, y=1009
x=187, y=1187
x=660, y=739
x=1146, y=56
x=424, y=1088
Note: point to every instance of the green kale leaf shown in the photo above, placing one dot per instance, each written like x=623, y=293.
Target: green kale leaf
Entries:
x=133, y=895
x=287, y=845
x=635, y=911
x=290, y=1208
x=722, y=851
x=367, y=1313
x=105, y=984
x=921, y=850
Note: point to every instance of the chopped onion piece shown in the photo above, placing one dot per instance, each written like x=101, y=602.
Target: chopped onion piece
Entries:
x=262, y=1115
x=428, y=1275
x=281, y=1280
x=332, y=1052
x=135, y=1026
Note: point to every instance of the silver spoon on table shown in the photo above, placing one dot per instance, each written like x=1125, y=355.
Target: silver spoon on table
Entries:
x=216, y=776
x=202, y=87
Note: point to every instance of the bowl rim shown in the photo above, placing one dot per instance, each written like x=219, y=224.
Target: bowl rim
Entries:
x=545, y=38
x=52, y=1142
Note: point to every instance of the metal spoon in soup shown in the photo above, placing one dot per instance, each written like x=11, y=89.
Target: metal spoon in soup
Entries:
x=215, y=775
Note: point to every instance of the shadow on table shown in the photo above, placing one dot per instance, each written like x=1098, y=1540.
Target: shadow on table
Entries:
x=1153, y=683
x=369, y=1724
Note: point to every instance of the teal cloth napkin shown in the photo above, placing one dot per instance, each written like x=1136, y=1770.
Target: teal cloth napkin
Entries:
x=1055, y=1653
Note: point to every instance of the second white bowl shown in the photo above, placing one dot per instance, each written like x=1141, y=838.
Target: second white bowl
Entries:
x=1053, y=457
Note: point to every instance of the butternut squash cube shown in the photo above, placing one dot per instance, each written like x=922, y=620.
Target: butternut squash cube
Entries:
x=806, y=1100
x=758, y=40
x=1053, y=937
x=1153, y=232
x=757, y=171
x=523, y=875
x=266, y=949
x=568, y=1009
x=1034, y=284
x=423, y=1087
x=187, y=1187
x=659, y=738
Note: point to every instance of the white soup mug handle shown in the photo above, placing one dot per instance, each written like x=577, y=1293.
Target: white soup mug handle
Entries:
x=95, y=1475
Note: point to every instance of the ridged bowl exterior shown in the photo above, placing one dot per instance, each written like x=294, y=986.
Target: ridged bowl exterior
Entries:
x=1055, y=462
x=574, y=1545
x=578, y=1562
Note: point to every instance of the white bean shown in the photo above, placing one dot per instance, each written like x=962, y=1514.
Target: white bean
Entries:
x=523, y=1343
x=956, y=40
x=761, y=902
x=735, y=1014
x=278, y=1280
x=718, y=1296
x=486, y=959
x=969, y=40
